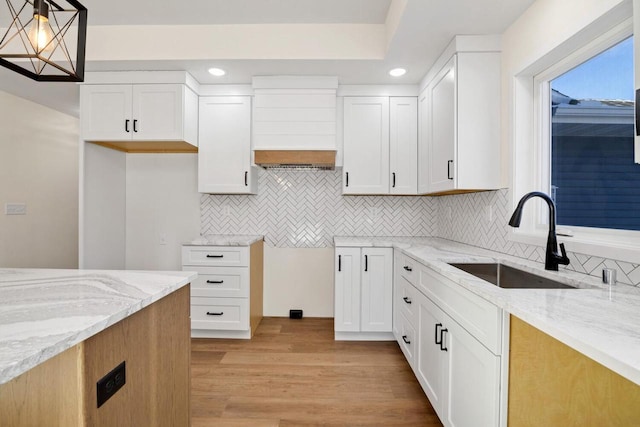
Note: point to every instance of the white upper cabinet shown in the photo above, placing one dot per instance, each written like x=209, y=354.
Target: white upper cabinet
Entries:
x=460, y=120
x=366, y=145
x=224, y=155
x=403, y=144
x=423, y=141
x=154, y=112
x=443, y=129
x=380, y=145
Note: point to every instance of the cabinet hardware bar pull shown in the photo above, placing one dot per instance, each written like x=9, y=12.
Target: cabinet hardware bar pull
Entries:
x=442, y=331
x=366, y=263
x=135, y=127
x=438, y=325
x=126, y=125
x=215, y=256
x=215, y=314
x=407, y=268
x=215, y=282
x=407, y=300
x=339, y=262
x=449, y=164
x=246, y=178
x=347, y=184
x=404, y=338
x=394, y=180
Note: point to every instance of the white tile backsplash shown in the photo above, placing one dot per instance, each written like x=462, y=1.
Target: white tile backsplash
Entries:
x=306, y=208
x=470, y=224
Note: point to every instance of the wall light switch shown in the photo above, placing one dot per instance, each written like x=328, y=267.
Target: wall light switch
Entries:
x=15, y=208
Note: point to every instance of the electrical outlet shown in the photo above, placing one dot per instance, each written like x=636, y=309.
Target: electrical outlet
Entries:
x=226, y=210
x=374, y=213
x=15, y=208
x=108, y=385
x=489, y=213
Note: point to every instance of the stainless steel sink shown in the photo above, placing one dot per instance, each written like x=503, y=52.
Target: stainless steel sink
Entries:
x=508, y=277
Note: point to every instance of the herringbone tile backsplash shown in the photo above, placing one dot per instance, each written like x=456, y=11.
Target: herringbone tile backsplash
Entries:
x=306, y=208
x=464, y=218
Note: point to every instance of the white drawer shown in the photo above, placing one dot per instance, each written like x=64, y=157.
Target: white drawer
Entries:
x=223, y=256
x=407, y=339
x=478, y=316
x=406, y=300
x=220, y=313
x=409, y=269
x=227, y=282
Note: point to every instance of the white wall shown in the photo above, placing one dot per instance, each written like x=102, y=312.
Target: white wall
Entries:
x=162, y=209
x=39, y=167
x=298, y=278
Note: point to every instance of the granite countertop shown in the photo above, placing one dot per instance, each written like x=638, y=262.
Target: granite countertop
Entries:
x=600, y=321
x=45, y=312
x=226, y=240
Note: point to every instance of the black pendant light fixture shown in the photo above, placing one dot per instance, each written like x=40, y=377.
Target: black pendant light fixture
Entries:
x=44, y=39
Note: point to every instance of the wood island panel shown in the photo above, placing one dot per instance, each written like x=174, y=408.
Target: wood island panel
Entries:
x=551, y=384
x=154, y=342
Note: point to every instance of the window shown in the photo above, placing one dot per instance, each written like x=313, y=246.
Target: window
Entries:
x=573, y=138
x=593, y=178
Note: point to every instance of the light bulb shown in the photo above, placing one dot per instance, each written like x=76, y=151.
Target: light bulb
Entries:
x=40, y=33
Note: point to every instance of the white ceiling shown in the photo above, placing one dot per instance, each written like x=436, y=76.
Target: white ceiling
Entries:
x=423, y=31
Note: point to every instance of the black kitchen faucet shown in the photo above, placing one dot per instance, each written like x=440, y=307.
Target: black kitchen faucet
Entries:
x=552, y=258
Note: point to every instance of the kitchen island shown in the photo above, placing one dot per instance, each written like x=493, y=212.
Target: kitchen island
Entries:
x=62, y=331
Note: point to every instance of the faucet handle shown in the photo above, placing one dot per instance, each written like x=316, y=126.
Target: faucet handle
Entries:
x=564, y=259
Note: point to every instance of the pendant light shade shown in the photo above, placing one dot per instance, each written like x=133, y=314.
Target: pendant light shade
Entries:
x=44, y=39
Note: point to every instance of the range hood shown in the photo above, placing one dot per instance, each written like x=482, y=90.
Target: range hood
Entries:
x=296, y=159
x=294, y=121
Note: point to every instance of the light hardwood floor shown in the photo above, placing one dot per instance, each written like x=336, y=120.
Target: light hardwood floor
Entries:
x=292, y=373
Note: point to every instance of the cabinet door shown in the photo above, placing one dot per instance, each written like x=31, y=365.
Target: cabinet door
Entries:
x=403, y=145
x=158, y=112
x=443, y=129
x=473, y=380
x=224, y=153
x=430, y=359
x=397, y=293
x=424, y=129
x=366, y=145
x=347, y=290
x=377, y=289
x=106, y=112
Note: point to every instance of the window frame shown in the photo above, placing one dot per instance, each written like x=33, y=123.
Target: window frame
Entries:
x=531, y=154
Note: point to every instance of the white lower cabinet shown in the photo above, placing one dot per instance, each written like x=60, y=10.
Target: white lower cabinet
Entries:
x=227, y=296
x=461, y=373
x=363, y=293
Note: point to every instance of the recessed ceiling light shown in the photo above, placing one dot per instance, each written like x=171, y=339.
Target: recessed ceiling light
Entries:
x=218, y=72
x=397, y=72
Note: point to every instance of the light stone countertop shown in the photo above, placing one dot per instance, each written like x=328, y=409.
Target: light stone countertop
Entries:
x=44, y=312
x=600, y=321
x=226, y=240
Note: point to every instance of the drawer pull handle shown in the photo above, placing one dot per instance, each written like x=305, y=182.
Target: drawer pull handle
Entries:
x=215, y=314
x=126, y=125
x=442, y=345
x=339, y=262
x=404, y=338
x=407, y=300
x=215, y=282
x=215, y=256
x=438, y=325
x=366, y=263
x=407, y=268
